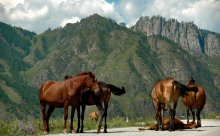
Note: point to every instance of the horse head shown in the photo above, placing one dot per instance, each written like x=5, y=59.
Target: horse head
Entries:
x=93, y=84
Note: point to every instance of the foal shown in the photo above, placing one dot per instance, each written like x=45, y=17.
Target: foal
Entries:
x=194, y=100
x=165, y=93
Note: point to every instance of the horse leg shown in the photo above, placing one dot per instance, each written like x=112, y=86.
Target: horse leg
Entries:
x=193, y=114
x=188, y=114
x=49, y=111
x=156, y=108
x=43, y=111
x=101, y=110
x=71, y=119
x=172, y=116
x=162, y=116
x=78, y=118
x=171, y=112
x=65, y=117
x=82, y=118
x=105, y=114
x=198, y=118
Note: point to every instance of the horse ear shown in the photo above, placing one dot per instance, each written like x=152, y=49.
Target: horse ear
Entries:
x=123, y=88
x=66, y=77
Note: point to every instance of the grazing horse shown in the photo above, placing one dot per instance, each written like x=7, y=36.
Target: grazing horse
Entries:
x=94, y=116
x=64, y=94
x=194, y=100
x=165, y=93
x=88, y=98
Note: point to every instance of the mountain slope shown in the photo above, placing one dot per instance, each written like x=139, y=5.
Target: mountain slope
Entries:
x=117, y=55
x=14, y=92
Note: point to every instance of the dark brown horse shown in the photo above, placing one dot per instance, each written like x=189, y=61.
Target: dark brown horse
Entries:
x=89, y=98
x=64, y=94
x=165, y=93
x=194, y=101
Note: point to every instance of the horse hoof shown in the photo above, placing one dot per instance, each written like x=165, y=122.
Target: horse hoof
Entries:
x=73, y=131
x=98, y=131
x=105, y=131
x=45, y=132
x=65, y=131
x=81, y=131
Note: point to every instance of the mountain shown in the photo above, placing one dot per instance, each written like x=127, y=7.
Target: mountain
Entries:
x=14, y=92
x=187, y=35
x=122, y=56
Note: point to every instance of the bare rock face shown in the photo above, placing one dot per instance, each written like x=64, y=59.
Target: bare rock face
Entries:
x=187, y=35
x=212, y=45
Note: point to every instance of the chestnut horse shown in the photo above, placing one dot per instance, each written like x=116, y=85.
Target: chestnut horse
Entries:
x=64, y=94
x=94, y=116
x=194, y=101
x=178, y=124
x=165, y=93
x=88, y=98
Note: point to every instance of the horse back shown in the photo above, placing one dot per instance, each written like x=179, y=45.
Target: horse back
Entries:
x=163, y=90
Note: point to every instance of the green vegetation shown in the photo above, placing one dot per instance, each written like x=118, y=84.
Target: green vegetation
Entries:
x=33, y=126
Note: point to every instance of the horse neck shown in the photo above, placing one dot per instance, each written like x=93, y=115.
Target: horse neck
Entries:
x=78, y=83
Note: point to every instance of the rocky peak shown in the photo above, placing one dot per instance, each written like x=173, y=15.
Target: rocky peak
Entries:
x=187, y=35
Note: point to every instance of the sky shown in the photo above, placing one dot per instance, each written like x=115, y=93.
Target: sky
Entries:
x=39, y=15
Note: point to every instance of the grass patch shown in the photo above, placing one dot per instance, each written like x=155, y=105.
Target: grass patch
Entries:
x=35, y=126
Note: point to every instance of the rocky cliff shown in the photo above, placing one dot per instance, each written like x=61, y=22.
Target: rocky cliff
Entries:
x=187, y=35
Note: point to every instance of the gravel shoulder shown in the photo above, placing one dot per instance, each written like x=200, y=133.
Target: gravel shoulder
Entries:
x=209, y=128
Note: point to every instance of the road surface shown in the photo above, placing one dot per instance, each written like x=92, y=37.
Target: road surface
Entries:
x=209, y=128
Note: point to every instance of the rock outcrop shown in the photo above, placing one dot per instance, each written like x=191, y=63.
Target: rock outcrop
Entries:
x=196, y=41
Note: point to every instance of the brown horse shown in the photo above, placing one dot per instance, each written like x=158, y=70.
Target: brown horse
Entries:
x=64, y=94
x=165, y=93
x=194, y=101
x=88, y=98
x=94, y=116
x=178, y=124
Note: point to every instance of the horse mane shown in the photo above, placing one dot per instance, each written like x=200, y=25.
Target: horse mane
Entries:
x=80, y=74
x=86, y=73
x=116, y=90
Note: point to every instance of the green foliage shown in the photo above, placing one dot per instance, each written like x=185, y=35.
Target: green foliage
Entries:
x=33, y=126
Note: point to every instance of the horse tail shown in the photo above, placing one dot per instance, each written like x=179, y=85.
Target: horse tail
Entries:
x=116, y=90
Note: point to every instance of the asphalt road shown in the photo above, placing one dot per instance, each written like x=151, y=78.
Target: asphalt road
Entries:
x=209, y=128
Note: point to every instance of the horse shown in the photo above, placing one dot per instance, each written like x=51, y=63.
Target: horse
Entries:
x=178, y=124
x=64, y=94
x=165, y=93
x=88, y=98
x=94, y=116
x=194, y=101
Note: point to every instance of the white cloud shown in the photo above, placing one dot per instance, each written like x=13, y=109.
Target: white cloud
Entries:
x=72, y=20
x=39, y=15
x=28, y=13
x=8, y=4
